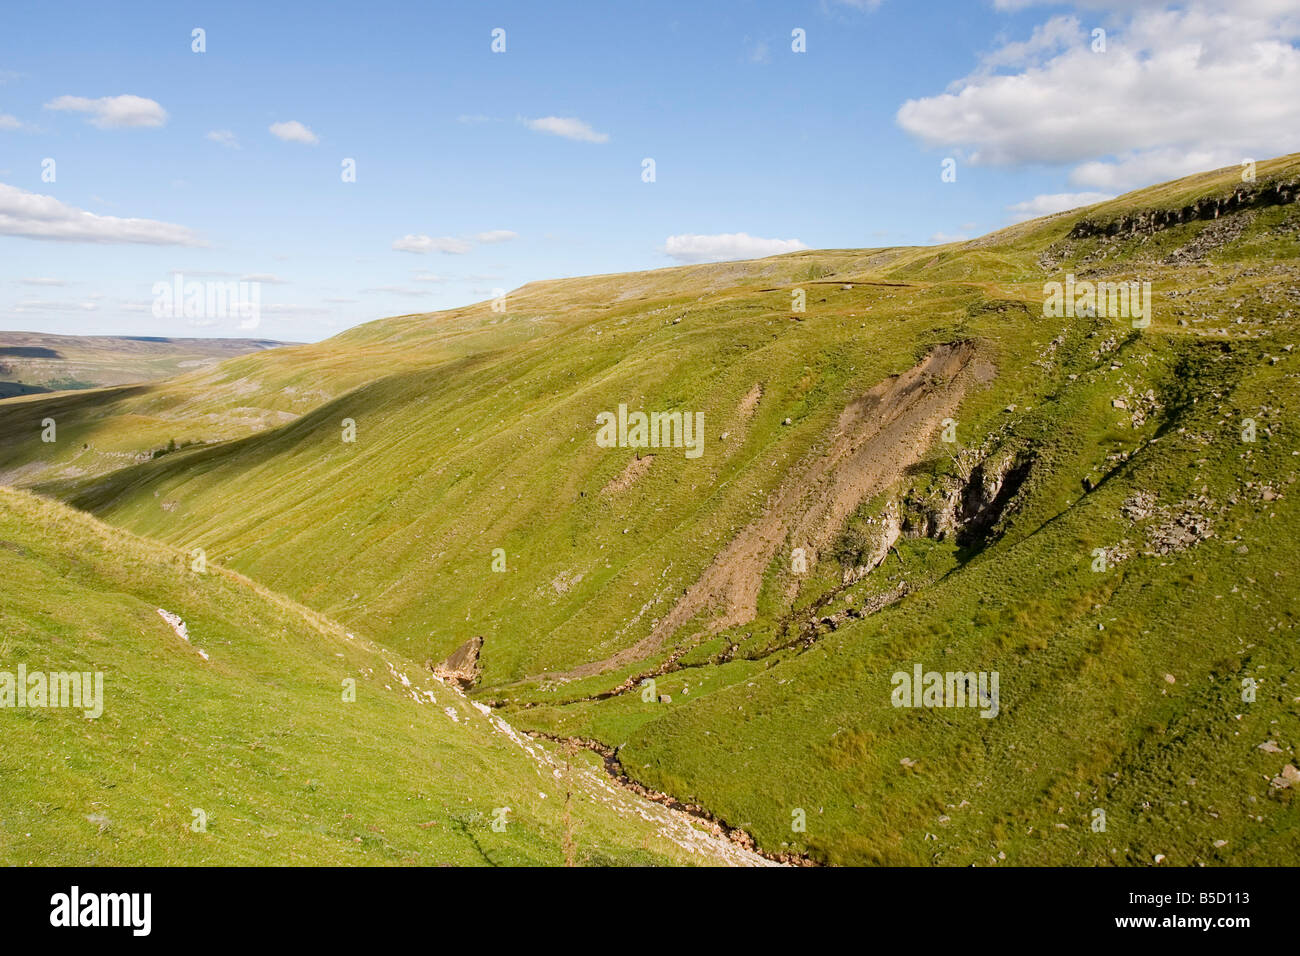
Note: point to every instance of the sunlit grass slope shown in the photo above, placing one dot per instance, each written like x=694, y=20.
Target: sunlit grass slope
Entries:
x=1122, y=689
x=257, y=736
x=475, y=431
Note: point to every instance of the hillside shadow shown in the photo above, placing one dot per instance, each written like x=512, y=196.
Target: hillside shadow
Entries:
x=100, y=492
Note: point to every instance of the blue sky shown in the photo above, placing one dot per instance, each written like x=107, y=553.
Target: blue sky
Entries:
x=478, y=171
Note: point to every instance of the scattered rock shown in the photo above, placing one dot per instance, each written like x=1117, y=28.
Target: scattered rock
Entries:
x=1177, y=527
x=566, y=579
x=1139, y=505
x=1289, y=777
x=176, y=623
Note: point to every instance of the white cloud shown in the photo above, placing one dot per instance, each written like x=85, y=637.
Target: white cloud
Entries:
x=734, y=245
x=41, y=280
x=1056, y=34
x=1212, y=79
x=1048, y=203
x=419, y=244
x=223, y=136
x=265, y=278
x=1154, y=165
x=285, y=308
x=113, y=112
x=394, y=290
x=39, y=305
x=294, y=132
x=961, y=235
x=567, y=126
x=497, y=235
x=427, y=277
x=8, y=121
x=34, y=216
x=1128, y=6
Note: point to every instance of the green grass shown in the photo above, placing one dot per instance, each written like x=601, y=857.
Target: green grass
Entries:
x=258, y=737
x=475, y=431
x=1088, y=720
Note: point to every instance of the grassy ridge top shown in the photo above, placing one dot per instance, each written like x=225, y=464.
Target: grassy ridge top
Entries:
x=109, y=428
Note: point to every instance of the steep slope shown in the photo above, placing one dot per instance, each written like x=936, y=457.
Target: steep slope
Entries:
x=224, y=737
x=925, y=466
x=498, y=451
x=1144, y=632
x=105, y=430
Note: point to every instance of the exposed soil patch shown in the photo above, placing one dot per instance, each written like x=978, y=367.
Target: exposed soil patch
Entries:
x=461, y=667
x=877, y=438
x=750, y=402
x=634, y=472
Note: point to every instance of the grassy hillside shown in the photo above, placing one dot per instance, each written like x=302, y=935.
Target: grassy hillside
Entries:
x=1098, y=531
x=1121, y=689
x=256, y=734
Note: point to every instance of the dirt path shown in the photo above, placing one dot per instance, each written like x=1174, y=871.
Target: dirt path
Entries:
x=877, y=438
